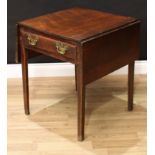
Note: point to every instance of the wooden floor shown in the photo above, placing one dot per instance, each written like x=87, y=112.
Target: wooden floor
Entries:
x=52, y=126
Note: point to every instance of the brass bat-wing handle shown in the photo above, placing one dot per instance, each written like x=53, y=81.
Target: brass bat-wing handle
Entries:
x=61, y=48
x=32, y=40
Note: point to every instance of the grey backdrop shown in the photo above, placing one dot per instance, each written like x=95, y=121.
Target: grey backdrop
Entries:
x=22, y=9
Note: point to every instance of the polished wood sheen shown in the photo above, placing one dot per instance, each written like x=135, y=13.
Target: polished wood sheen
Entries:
x=48, y=45
x=51, y=128
x=77, y=23
x=97, y=43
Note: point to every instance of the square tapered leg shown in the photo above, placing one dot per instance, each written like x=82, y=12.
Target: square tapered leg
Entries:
x=25, y=79
x=130, y=85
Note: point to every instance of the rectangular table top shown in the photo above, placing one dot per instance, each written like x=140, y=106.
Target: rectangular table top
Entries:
x=77, y=23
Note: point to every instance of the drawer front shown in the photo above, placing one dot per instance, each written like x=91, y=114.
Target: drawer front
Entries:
x=51, y=46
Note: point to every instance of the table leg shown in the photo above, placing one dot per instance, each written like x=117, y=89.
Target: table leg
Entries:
x=130, y=85
x=81, y=104
x=75, y=77
x=25, y=79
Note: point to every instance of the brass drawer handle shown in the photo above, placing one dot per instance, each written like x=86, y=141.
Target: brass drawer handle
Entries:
x=61, y=48
x=32, y=40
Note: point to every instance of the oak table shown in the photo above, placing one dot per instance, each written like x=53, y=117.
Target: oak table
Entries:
x=96, y=42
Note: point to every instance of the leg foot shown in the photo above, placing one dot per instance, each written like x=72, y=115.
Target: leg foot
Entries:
x=80, y=138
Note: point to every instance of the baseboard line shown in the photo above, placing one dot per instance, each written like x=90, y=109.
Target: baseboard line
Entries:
x=63, y=69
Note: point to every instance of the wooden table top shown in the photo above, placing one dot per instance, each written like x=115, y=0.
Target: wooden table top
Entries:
x=77, y=23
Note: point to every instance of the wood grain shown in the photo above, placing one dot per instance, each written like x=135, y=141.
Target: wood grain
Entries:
x=47, y=44
x=51, y=127
x=105, y=54
x=76, y=23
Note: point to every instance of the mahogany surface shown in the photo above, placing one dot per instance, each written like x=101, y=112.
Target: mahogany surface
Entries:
x=77, y=23
x=97, y=43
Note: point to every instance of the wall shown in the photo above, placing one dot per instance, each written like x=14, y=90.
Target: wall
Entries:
x=22, y=9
